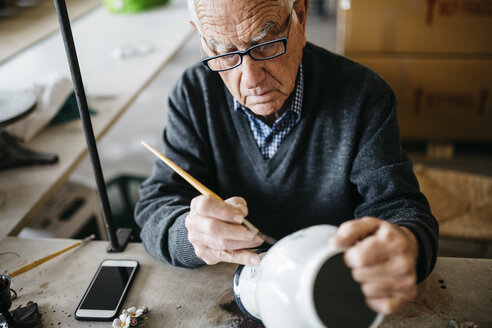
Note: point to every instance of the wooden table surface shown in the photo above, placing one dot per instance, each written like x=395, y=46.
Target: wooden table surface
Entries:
x=458, y=289
x=111, y=86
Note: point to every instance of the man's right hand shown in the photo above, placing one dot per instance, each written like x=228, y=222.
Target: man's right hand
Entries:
x=215, y=231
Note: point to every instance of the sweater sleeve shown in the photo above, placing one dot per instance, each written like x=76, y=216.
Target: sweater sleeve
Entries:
x=384, y=178
x=165, y=197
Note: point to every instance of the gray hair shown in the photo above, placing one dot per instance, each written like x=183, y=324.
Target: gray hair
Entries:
x=194, y=17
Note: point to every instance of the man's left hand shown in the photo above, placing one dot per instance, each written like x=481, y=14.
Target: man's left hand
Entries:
x=383, y=257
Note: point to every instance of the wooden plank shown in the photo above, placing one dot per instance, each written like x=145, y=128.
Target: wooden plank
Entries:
x=31, y=24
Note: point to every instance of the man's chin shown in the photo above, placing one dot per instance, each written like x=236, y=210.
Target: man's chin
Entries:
x=265, y=109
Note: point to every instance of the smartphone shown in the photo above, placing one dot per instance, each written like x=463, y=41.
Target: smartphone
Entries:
x=103, y=298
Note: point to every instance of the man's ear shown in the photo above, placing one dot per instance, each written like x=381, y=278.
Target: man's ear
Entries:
x=301, y=8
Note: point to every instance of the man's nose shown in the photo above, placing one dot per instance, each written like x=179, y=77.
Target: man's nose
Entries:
x=253, y=73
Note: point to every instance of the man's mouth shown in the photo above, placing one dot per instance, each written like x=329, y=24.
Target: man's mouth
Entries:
x=263, y=97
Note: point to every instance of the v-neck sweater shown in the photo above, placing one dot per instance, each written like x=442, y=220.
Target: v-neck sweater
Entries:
x=343, y=160
x=268, y=137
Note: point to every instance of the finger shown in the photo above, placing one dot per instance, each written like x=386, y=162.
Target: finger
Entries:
x=390, y=304
x=239, y=257
x=219, y=229
x=368, y=252
x=397, y=266
x=210, y=207
x=351, y=231
x=389, y=287
x=388, y=241
x=198, y=238
x=239, y=203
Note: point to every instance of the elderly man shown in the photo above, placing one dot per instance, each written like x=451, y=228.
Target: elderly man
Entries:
x=292, y=135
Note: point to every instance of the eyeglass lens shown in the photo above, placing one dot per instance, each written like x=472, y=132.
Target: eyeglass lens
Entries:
x=261, y=52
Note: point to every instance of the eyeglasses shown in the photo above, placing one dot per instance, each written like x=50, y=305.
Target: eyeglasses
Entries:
x=263, y=51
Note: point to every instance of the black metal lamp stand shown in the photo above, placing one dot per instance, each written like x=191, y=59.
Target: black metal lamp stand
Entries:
x=119, y=239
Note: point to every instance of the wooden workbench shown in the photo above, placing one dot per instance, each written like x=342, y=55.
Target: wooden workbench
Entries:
x=458, y=289
x=111, y=86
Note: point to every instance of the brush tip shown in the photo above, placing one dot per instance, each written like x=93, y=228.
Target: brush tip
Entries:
x=269, y=240
x=88, y=238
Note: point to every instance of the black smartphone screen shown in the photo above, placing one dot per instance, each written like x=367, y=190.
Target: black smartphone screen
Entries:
x=107, y=288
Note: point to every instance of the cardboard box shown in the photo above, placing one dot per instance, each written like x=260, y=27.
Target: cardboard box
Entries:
x=415, y=26
x=439, y=99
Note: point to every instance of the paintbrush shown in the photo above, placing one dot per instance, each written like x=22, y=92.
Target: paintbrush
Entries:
x=205, y=191
x=34, y=264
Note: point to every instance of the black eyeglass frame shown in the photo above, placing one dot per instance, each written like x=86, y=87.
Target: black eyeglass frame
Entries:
x=248, y=51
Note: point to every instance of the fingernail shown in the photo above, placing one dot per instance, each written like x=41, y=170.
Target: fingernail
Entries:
x=249, y=235
x=254, y=261
x=238, y=218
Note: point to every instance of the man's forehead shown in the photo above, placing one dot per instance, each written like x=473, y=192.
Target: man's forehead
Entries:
x=224, y=23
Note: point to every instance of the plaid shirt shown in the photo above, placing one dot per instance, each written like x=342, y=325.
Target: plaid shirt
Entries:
x=270, y=138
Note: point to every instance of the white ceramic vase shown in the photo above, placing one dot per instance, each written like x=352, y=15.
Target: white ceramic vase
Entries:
x=302, y=281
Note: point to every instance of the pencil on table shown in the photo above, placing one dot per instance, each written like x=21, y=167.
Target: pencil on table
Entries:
x=204, y=190
x=34, y=264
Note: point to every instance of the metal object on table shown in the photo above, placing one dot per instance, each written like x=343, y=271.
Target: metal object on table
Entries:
x=13, y=107
x=6, y=300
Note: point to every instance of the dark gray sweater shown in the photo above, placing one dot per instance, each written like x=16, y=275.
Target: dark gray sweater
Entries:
x=343, y=160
